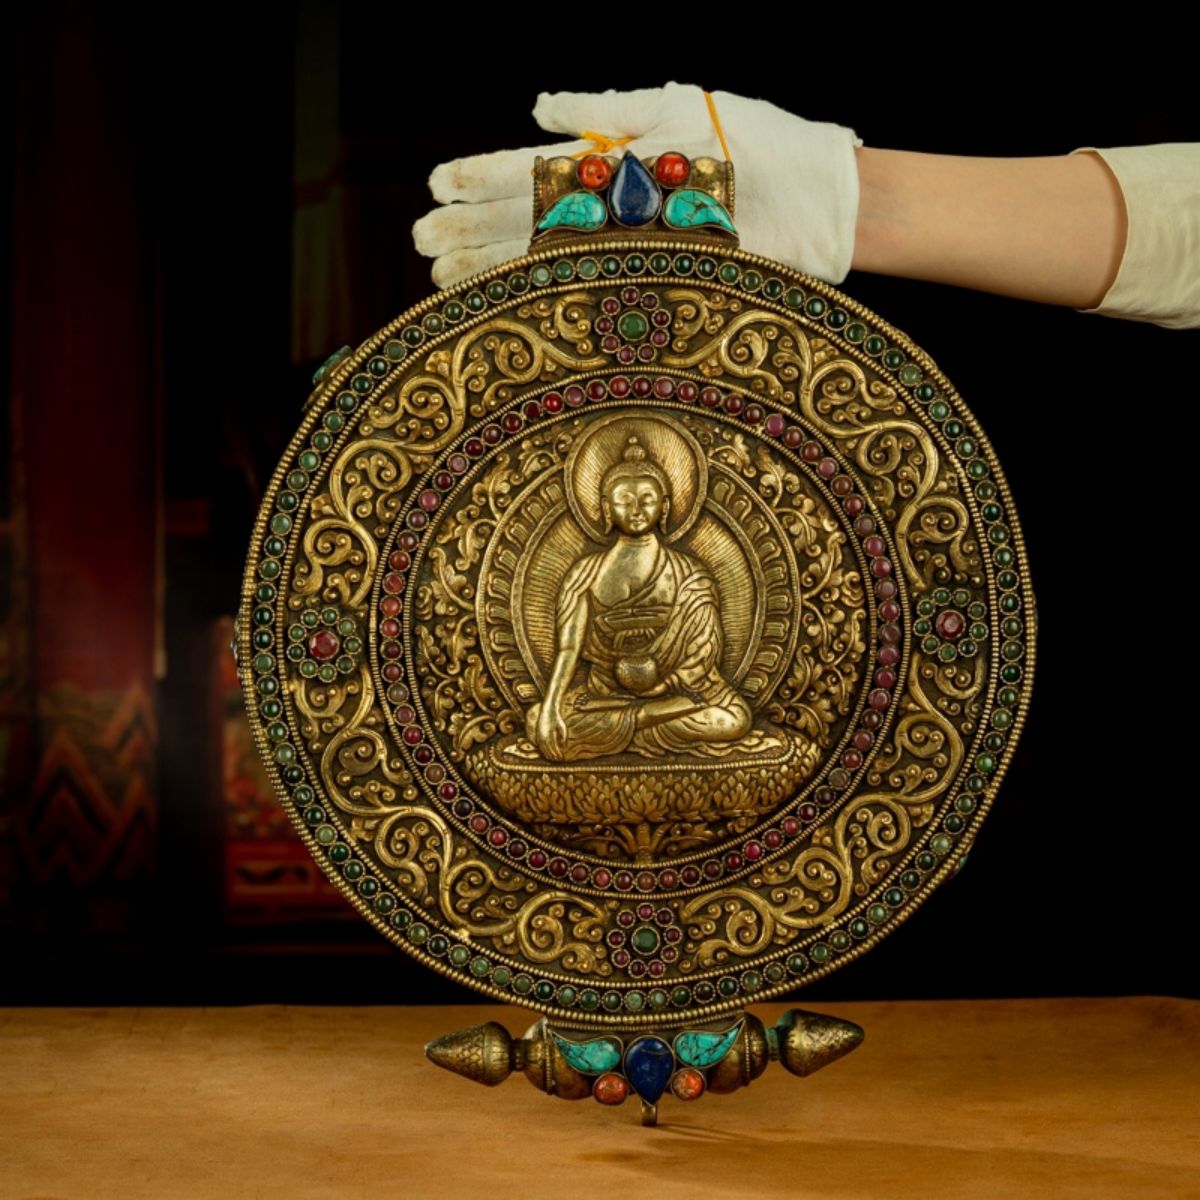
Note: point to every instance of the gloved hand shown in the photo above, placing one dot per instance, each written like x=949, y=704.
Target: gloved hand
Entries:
x=796, y=181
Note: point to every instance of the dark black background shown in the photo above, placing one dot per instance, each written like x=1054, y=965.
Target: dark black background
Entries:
x=1081, y=881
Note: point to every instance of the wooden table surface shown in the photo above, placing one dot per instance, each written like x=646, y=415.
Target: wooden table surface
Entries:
x=1027, y=1098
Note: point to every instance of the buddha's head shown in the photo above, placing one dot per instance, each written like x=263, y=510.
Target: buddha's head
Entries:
x=634, y=496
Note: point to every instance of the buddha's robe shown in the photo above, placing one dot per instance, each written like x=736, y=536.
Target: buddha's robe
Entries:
x=662, y=642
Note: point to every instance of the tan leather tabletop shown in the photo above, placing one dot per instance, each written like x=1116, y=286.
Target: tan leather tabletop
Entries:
x=1028, y=1098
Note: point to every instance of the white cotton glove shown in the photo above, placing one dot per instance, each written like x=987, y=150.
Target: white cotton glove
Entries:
x=796, y=181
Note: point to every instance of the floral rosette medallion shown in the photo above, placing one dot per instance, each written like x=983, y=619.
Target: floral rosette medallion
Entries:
x=636, y=631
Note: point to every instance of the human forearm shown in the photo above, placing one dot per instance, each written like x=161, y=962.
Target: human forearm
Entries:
x=1046, y=229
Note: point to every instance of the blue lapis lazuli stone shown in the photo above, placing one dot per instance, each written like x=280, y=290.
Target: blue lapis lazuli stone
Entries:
x=699, y=1048
x=633, y=196
x=649, y=1064
x=690, y=208
x=575, y=210
x=592, y=1058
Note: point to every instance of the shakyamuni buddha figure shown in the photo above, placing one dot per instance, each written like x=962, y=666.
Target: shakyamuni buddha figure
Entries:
x=637, y=666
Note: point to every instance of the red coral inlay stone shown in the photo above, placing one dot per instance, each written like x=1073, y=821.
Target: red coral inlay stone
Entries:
x=687, y=1084
x=610, y=1089
x=594, y=172
x=671, y=169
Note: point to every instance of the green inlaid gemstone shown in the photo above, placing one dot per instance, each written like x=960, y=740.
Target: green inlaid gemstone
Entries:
x=961, y=597
x=684, y=264
x=859, y=928
x=876, y=914
x=263, y=663
x=925, y=393
x=1012, y=650
x=815, y=306
x=287, y=500
x=839, y=939
x=892, y=359
x=269, y=568
x=353, y=870
x=567, y=995
x=345, y=664
x=977, y=468
x=418, y=934
x=837, y=318
x=1008, y=696
x=352, y=645
x=680, y=996
x=856, y=332
x=910, y=374
x=794, y=298
x=378, y=366
x=751, y=280
x=979, y=631
x=965, y=804
x=293, y=775
x=459, y=956
x=593, y=1057
x=384, y=903
x=501, y=976
x=497, y=289
x=657, y=999
x=894, y=897
x=297, y=481
x=270, y=710
x=1010, y=603
x=773, y=289
x=976, y=609
x=635, y=1001
x=361, y=384
x=797, y=964
x=439, y=944
x=268, y=685
x=994, y=742
x=775, y=972
x=967, y=647
x=921, y=627
x=1004, y=557
x=274, y=546
x=326, y=835
x=333, y=421
x=635, y=264
x=925, y=607
x=645, y=939
x=752, y=981
x=544, y=990
x=706, y=268
x=588, y=268
x=522, y=985
x=480, y=967
x=1011, y=626
x=998, y=534
x=329, y=616
x=277, y=731
x=589, y=1000
x=327, y=673
x=541, y=274
x=1001, y=718
x=281, y=524
x=1010, y=674
x=610, y=265
x=820, y=953
x=321, y=441
x=930, y=644
x=728, y=986
x=874, y=344
x=475, y=301
x=263, y=615
x=941, y=845
x=564, y=270
x=309, y=617
x=701, y=1049
x=304, y=794
x=729, y=272
x=910, y=880
x=947, y=652
x=395, y=350
x=340, y=853
x=954, y=823
x=975, y=783
x=966, y=447
x=926, y=861
x=660, y=264
x=633, y=325
x=454, y=311
x=518, y=283
x=939, y=410
x=314, y=815
x=611, y=1001
x=347, y=401
x=263, y=639
x=401, y=919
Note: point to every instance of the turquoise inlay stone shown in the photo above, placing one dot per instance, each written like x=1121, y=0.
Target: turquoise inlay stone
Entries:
x=690, y=208
x=634, y=196
x=592, y=1058
x=332, y=361
x=575, y=210
x=649, y=1065
x=698, y=1048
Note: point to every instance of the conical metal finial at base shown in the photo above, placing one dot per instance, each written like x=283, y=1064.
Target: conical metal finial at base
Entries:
x=804, y=1042
x=482, y=1053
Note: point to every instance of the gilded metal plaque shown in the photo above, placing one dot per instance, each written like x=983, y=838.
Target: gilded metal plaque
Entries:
x=637, y=631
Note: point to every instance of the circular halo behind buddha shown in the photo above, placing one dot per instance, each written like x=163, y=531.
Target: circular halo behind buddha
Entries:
x=628, y=666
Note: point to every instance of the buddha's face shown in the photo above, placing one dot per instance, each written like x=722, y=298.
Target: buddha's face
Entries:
x=635, y=505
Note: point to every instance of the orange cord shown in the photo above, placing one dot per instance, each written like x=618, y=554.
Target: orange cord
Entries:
x=712, y=112
x=601, y=143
